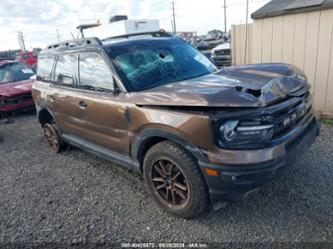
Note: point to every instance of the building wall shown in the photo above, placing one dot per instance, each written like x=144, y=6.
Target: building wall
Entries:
x=304, y=39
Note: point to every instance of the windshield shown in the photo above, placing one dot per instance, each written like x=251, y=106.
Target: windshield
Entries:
x=154, y=62
x=12, y=72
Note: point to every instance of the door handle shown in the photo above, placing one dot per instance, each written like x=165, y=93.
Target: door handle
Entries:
x=51, y=97
x=82, y=105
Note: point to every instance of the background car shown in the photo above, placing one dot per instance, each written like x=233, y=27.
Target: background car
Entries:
x=7, y=55
x=15, y=86
x=221, y=55
x=29, y=58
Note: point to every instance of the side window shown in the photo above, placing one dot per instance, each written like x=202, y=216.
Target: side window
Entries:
x=44, y=68
x=65, y=70
x=94, y=73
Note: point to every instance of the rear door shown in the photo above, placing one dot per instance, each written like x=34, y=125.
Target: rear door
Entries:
x=62, y=95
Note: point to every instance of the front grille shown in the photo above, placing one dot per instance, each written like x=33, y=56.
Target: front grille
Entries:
x=17, y=99
x=222, y=59
x=285, y=119
x=222, y=52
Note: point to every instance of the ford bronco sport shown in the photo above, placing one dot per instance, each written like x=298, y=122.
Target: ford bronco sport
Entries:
x=155, y=104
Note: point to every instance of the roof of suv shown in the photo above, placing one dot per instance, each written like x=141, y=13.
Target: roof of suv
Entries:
x=82, y=44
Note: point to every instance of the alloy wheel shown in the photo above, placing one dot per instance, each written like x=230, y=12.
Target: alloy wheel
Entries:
x=51, y=137
x=170, y=184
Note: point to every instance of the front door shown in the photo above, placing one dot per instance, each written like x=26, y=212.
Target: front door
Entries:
x=103, y=114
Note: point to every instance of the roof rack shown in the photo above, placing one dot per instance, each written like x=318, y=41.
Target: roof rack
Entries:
x=96, y=41
x=75, y=43
x=160, y=33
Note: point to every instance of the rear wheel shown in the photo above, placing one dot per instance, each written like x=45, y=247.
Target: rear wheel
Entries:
x=52, y=137
x=175, y=180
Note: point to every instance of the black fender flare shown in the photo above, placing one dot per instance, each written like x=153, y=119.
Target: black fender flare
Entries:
x=40, y=108
x=144, y=136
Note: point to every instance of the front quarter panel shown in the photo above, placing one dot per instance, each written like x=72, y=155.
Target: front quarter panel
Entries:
x=190, y=130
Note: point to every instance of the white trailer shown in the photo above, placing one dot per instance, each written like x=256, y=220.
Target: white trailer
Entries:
x=122, y=28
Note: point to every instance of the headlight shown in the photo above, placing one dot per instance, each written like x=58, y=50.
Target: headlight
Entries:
x=235, y=134
x=228, y=130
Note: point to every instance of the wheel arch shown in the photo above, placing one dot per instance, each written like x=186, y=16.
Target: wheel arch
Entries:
x=44, y=115
x=151, y=136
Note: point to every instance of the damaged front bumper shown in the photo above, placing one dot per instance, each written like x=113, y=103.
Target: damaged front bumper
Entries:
x=235, y=181
x=8, y=104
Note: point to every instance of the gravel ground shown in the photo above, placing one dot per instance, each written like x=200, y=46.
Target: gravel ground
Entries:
x=75, y=197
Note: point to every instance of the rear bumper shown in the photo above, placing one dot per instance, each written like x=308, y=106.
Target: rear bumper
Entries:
x=235, y=182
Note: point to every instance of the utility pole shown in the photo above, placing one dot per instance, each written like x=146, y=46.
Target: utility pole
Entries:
x=58, y=36
x=225, y=16
x=246, y=27
x=21, y=40
x=174, y=18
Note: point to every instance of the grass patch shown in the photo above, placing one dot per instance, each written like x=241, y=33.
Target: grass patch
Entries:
x=327, y=121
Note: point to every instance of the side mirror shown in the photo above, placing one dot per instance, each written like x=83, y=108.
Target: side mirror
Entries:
x=33, y=77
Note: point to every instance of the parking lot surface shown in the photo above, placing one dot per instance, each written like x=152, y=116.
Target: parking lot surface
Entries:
x=76, y=197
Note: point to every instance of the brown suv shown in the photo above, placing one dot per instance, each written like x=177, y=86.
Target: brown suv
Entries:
x=155, y=104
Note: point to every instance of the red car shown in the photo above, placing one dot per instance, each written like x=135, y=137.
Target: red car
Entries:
x=28, y=58
x=15, y=86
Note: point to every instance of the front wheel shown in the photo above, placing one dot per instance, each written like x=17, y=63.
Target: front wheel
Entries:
x=175, y=180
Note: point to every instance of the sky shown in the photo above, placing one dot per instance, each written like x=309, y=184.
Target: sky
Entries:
x=40, y=20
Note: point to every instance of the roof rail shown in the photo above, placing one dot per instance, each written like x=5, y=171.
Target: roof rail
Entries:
x=160, y=33
x=75, y=43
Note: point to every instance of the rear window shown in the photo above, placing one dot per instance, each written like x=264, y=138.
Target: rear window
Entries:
x=44, y=68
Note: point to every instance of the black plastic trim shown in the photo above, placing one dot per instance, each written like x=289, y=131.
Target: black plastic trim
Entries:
x=101, y=151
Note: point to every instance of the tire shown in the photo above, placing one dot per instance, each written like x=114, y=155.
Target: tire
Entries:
x=53, y=138
x=187, y=196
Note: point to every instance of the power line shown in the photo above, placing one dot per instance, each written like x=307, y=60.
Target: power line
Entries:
x=225, y=5
x=246, y=24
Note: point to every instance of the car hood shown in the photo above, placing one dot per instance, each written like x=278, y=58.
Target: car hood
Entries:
x=222, y=46
x=242, y=86
x=16, y=88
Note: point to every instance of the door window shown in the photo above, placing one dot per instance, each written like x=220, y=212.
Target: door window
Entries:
x=44, y=68
x=66, y=69
x=94, y=73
